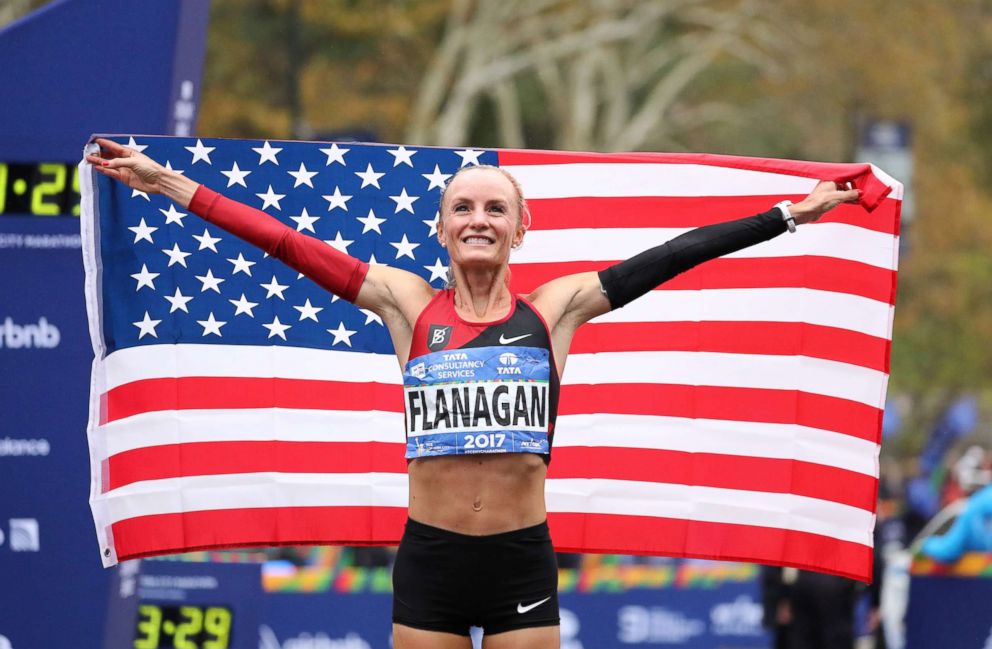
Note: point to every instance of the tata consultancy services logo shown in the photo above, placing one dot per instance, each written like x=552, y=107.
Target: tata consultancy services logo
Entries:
x=43, y=335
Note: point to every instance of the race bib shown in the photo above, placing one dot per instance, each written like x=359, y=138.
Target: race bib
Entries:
x=478, y=400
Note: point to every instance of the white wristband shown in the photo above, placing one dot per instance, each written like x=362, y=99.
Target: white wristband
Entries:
x=790, y=222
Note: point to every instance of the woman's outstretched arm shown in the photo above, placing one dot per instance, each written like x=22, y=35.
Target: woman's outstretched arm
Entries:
x=570, y=301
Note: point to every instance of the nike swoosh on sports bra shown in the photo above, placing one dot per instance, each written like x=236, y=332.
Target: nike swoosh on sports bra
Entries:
x=480, y=387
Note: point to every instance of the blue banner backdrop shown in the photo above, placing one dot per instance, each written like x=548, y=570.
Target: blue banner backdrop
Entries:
x=52, y=587
x=949, y=612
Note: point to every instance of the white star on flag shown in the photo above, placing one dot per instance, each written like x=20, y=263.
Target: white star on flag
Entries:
x=274, y=288
x=404, y=248
x=305, y=222
x=168, y=165
x=266, y=153
x=308, y=311
x=207, y=241
x=436, y=178
x=270, y=198
x=303, y=176
x=200, y=152
x=402, y=155
x=243, y=306
x=277, y=328
x=341, y=335
x=371, y=222
x=146, y=326
x=172, y=215
x=469, y=156
x=335, y=154
x=145, y=278
x=211, y=325
x=236, y=176
x=370, y=177
x=142, y=231
x=438, y=271
x=241, y=265
x=432, y=224
x=339, y=243
x=404, y=201
x=176, y=256
x=337, y=199
x=210, y=283
x=135, y=193
x=371, y=316
x=178, y=301
x=134, y=146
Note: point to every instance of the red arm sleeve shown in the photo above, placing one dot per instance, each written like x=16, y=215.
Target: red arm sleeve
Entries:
x=331, y=269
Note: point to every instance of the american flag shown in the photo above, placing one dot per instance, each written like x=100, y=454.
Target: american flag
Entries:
x=733, y=413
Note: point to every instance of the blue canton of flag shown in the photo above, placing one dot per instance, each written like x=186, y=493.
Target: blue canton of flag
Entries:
x=192, y=282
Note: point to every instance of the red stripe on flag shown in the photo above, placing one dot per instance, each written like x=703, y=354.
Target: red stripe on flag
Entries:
x=820, y=273
x=731, y=404
x=226, y=528
x=150, y=395
x=715, y=470
x=772, y=338
x=613, y=533
x=682, y=212
x=213, y=458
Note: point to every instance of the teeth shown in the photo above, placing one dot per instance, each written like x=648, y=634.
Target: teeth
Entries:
x=477, y=240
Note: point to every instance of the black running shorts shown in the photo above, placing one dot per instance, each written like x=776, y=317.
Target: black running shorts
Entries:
x=445, y=581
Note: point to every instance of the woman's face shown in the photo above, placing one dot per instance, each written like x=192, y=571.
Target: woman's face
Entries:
x=480, y=219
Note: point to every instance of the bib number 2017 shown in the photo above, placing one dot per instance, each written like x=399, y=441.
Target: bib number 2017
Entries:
x=485, y=440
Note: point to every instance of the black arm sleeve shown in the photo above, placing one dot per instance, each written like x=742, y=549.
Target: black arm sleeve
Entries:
x=634, y=277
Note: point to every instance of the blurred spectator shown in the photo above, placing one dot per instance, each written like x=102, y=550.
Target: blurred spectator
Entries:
x=809, y=610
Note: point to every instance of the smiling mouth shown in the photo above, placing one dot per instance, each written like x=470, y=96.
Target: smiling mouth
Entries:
x=475, y=240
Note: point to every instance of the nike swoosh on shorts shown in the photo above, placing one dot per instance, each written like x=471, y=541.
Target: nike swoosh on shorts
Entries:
x=523, y=609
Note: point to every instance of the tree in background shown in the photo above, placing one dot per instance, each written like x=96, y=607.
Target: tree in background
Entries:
x=605, y=75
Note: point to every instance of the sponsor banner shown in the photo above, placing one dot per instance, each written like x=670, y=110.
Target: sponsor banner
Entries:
x=45, y=525
x=728, y=616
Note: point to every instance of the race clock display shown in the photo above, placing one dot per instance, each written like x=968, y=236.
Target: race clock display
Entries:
x=164, y=626
x=39, y=188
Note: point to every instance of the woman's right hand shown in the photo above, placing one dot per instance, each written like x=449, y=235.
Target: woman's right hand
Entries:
x=138, y=171
x=134, y=169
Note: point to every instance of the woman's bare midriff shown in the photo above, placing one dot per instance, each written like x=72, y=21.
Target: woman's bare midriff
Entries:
x=478, y=494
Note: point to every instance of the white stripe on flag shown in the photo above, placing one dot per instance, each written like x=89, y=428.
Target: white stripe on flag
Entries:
x=744, y=438
x=161, y=361
x=255, y=490
x=826, y=308
x=252, y=424
x=712, y=504
x=813, y=375
x=837, y=240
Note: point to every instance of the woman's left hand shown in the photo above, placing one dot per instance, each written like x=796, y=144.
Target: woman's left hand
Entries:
x=825, y=196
